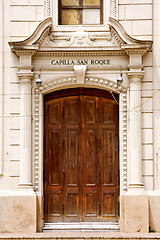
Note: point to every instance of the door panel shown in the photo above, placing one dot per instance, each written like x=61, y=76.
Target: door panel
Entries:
x=108, y=156
x=81, y=158
x=54, y=164
x=108, y=204
x=90, y=161
x=72, y=158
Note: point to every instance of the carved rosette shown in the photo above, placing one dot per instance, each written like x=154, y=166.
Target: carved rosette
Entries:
x=69, y=81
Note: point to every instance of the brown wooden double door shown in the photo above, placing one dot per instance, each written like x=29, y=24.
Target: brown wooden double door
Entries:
x=81, y=158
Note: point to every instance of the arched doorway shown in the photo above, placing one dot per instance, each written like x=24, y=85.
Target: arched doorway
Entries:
x=81, y=156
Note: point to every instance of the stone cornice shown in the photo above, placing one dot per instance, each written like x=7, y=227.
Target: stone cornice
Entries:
x=135, y=51
x=35, y=39
x=114, y=42
x=128, y=40
x=25, y=52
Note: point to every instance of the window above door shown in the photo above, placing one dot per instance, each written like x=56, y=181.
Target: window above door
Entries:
x=80, y=12
x=87, y=14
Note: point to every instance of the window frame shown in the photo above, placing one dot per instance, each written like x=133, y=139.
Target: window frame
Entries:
x=80, y=7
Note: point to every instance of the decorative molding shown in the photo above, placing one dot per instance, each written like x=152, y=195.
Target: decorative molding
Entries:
x=54, y=40
x=79, y=54
x=47, y=8
x=25, y=53
x=130, y=42
x=36, y=138
x=113, y=9
x=44, y=35
x=31, y=43
x=140, y=52
x=71, y=81
x=116, y=36
x=44, y=40
x=85, y=39
x=124, y=142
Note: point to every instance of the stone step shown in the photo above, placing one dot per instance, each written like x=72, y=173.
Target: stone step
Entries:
x=80, y=235
x=85, y=226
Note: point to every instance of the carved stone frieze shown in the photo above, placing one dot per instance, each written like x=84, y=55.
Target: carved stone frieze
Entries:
x=53, y=40
x=82, y=39
x=69, y=82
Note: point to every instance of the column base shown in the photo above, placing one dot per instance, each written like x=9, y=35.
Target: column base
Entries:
x=26, y=187
x=134, y=214
x=136, y=189
x=18, y=213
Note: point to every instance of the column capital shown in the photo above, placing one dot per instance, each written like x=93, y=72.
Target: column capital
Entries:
x=25, y=76
x=135, y=76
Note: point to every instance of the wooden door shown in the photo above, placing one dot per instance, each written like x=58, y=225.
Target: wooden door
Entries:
x=81, y=157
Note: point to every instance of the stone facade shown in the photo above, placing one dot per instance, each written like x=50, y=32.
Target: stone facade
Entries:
x=31, y=44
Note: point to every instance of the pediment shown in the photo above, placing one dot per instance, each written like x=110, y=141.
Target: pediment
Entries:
x=45, y=38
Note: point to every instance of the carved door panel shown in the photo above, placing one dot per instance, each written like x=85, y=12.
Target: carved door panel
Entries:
x=81, y=159
x=53, y=167
x=72, y=160
x=108, y=165
x=90, y=159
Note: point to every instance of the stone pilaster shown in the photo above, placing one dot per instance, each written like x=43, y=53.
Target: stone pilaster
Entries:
x=25, y=75
x=135, y=163
x=25, y=126
x=135, y=217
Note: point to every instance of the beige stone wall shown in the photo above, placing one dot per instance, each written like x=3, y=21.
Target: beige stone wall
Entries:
x=136, y=17
x=25, y=17
x=18, y=20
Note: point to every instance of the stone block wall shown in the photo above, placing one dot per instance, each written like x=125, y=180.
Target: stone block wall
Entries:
x=136, y=17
